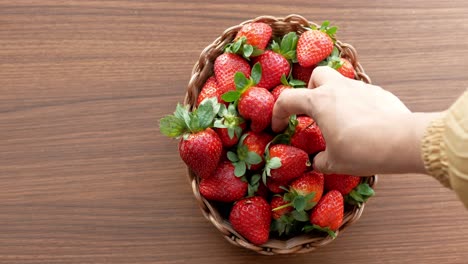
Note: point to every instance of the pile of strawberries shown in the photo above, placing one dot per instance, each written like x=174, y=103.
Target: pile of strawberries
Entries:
x=265, y=179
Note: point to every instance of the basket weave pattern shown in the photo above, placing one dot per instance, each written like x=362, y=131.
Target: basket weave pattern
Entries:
x=202, y=70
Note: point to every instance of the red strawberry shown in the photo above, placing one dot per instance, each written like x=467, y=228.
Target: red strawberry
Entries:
x=256, y=104
x=328, y=213
x=201, y=152
x=285, y=163
x=304, y=192
x=210, y=89
x=257, y=142
x=225, y=67
x=310, y=182
x=274, y=65
x=249, y=152
x=346, y=68
x=274, y=186
x=278, y=201
x=223, y=185
x=251, y=217
x=223, y=134
x=278, y=90
x=307, y=136
x=302, y=73
x=315, y=45
x=341, y=182
x=257, y=34
x=199, y=147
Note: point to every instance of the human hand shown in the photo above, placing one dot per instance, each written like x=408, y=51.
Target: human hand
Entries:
x=367, y=129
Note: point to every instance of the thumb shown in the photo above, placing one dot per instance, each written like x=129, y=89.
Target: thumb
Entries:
x=321, y=163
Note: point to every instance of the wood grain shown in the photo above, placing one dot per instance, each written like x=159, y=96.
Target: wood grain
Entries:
x=86, y=177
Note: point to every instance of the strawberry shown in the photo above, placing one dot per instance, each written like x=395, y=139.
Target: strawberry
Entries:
x=277, y=202
x=302, y=73
x=315, y=45
x=223, y=185
x=341, y=182
x=307, y=136
x=342, y=65
x=210, y=89
x=254, y=103
x=256, y=34
x=251, y=218
x=348, y=185
x=310, y=182
x=229, y=126
x=250, y=151
x=199, y=146
x=225, y=67
x=278, y=90
x=274, y=65
x=275, y=187
x=304, y=192
x=346, y=69
x=285, y=163
x=286, y=85
x=275, y=62
x=327, y=215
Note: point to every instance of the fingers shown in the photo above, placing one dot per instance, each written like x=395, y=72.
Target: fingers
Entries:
x=321, y=163
x=323, y=74
x=291, y=101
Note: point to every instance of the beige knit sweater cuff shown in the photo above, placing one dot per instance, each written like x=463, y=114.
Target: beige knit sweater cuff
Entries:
x=433, y=151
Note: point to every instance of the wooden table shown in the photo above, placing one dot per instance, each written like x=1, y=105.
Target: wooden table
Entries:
x=85, y=176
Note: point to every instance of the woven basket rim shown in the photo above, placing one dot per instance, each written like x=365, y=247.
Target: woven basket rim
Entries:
x=201, y=71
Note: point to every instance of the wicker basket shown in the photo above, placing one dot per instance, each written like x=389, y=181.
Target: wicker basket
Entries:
x=202, y=70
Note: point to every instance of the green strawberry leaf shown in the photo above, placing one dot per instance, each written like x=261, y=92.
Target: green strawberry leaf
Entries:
x=296, y=83
x=325, y=24
x=253, y=158
x=231, y=131
x=275, y=47
x=255, y=179
x=240, y=168
x=331, y=31
x=256, y=52
x=365, y=190
x=274, y=163
x=236, y=46
x=300, y=216
x=238, y=131
x=284, y=81
x=205, y=114
x=232, y=156
x=231, y=96
x=356, y=196
x=247, y=50
x=172, y=126
x=181, y=111
x=218, y=123
x=299, y=203
x=287, y=42
x=265, y=174
x=240, y=80
x=256, y=73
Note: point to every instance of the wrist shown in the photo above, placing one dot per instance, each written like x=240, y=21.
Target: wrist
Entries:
x=407, y=147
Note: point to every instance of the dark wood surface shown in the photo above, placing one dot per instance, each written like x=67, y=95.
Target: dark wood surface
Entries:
x=85, y=176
